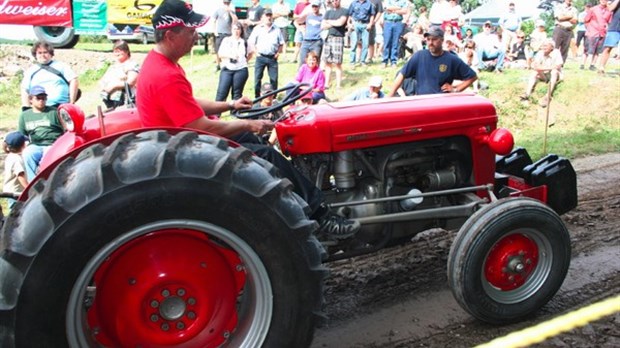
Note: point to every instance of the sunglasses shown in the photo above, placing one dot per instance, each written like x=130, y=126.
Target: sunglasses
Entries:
x=520, y=37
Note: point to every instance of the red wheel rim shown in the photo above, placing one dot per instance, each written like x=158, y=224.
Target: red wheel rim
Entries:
x=171, y=287
x=511, y=261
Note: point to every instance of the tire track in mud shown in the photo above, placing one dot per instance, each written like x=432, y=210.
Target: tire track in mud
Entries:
x=399, y=297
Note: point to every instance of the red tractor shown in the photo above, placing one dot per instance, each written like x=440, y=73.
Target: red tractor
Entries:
x=141, y=237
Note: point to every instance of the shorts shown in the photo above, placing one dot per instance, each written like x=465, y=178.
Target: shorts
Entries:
x=333, y=49
x=594, y=45
x=612, y=39
x=372, y=34
x=299, y=36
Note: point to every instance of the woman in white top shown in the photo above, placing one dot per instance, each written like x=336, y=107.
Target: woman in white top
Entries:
x=123, y=71
x=234, y=74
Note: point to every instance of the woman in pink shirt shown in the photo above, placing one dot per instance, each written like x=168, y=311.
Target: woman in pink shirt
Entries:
x=312, y=74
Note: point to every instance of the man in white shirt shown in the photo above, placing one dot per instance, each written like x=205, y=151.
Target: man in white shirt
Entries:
x=547, y=67
x=488, y=47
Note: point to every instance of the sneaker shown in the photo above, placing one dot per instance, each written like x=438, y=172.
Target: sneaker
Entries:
x=544, y=102
x=335, y=226
x=592, y=68
x=385, y=65
x=581, y=67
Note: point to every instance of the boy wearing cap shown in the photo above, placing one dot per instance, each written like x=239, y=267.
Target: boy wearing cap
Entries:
x=372, y=92
x=14, y=173
x=40, y=124
x=165, y=99
x=434, y=69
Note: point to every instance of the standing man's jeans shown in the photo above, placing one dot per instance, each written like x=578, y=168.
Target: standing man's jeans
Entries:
x=359, y=30
x=32, y=156
x=231, y=79
x=391, y=39
x=562, y=38
x=310, y=46
x=262, y=62
x=490, y=54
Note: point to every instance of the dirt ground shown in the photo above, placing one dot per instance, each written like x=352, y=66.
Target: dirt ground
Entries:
x=400, y=297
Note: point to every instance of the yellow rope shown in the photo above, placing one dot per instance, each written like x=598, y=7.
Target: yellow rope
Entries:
x=569, y=321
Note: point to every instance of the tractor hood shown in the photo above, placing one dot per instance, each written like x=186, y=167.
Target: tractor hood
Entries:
x=344, y=126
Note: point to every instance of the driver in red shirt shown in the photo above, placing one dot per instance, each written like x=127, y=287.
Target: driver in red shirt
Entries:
x=165, y=99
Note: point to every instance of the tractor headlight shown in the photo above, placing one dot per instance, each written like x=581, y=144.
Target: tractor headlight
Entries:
x=71, y=118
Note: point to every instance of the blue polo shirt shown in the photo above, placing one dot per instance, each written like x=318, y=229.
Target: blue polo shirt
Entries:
x=362, y=11
x=432, y=72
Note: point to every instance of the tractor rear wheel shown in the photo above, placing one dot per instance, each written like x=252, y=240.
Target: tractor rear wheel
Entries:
x=508, y=260
x=163, y=240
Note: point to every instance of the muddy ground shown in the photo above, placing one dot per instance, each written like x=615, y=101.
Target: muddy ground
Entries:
x=400, y=297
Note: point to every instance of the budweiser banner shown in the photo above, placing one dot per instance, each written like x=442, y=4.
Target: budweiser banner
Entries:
x=49, y=13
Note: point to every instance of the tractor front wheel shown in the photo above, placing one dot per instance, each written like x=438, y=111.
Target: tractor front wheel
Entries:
x=508, y=260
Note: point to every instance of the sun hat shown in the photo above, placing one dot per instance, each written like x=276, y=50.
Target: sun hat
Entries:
x=174, y=13
x=375, y=81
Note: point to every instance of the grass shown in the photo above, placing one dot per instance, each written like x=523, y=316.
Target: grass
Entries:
x=585, y=108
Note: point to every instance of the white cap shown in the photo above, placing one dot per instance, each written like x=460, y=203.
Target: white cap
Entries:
x=540, y=23
x=375, y=81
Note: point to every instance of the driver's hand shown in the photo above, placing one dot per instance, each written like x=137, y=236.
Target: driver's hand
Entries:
x=260, y=126
x=243, y=103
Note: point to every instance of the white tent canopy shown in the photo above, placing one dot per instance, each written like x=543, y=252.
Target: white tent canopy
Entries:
x=493, y=10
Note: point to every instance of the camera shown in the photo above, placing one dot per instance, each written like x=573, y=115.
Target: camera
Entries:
x=234, y=61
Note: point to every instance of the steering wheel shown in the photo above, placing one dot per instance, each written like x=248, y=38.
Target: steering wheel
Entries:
x=294, y=95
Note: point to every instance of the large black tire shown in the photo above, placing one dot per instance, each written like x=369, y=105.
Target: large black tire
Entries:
x=61, y=37
x=508, y=260
x=161, y=240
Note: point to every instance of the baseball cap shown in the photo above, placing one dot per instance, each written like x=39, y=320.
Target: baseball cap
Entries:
x=375, y=81
x=315, y=3
x=266, y=87
x=434, y=31
x=15, y=139
x=540, y=23
x=37, y=90
x=174, y=13
x=488, y=24
x=268, y=12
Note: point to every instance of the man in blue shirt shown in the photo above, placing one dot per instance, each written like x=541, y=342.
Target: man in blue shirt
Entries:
x=362, y=16
x=266, y=43
x=510, y=23
x=435, y=69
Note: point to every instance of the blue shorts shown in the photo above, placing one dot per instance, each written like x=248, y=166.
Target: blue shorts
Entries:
x=612, y=39
x=299, y=36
